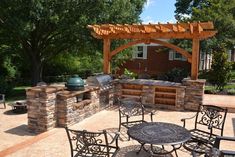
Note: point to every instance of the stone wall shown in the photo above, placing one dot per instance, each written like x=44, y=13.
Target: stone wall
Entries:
x=194, y=93
x=41, y=104
x=50, y=106
x=69, y=111
x=148, y=92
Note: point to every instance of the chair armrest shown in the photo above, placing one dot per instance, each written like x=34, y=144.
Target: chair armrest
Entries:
x=227, y=152
x=184, y=119
x=224, y=138
x=115, y=138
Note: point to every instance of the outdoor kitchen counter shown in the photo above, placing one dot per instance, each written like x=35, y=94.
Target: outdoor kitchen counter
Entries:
x=156, y=93
x=69, y=94
x=150, y=82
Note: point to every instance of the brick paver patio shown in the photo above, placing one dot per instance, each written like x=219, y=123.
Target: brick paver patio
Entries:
x=16, y=141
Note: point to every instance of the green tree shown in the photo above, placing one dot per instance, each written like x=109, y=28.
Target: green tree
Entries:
x=222, y=14
x=220, y=72
x=38, y=30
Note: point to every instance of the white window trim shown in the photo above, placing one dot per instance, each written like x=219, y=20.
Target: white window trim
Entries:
x=135, y=52
x=173, y=56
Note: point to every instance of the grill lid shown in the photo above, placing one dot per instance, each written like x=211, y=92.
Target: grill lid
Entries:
x=75, y=83
x=99, y=80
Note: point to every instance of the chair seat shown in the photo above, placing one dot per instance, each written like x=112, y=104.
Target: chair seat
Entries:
x=200, y=142
x=97, y=151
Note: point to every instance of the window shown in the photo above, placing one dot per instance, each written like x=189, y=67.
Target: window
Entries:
x=140, y=52
x=176, y=56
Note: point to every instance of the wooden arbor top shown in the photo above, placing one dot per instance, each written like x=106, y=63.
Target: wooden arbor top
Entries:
x=149, y=33
x=164, y=31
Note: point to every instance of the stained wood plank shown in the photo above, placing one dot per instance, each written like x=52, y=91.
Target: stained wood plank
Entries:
x=195, y=59
x=106, y=53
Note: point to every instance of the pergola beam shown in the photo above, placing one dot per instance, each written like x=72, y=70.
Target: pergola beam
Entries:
x=160, y=35
x=149, y=33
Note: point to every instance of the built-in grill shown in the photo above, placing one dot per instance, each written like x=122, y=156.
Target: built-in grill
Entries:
x=105, y=83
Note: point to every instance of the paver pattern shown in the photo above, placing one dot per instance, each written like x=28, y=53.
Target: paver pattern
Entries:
x=13, y=130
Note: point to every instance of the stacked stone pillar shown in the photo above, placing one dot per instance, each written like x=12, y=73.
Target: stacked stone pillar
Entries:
x=41, y=104
x=148, y=95
x=194, y=93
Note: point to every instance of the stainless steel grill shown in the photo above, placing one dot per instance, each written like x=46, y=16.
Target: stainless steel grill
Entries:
x=103, y=81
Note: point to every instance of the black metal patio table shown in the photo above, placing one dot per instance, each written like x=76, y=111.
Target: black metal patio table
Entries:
x=159, y=133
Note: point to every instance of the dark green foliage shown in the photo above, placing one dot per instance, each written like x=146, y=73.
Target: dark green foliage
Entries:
x=176, y=75
x=233, y=65
x=220, y=12
x=203, y=74
x=38, y=30
x=6, y=86
x=220, y=73
x=129, y=74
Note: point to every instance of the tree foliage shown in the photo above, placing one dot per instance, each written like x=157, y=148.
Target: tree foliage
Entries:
x=38, y=30
x=222, y=14
x=220, y=72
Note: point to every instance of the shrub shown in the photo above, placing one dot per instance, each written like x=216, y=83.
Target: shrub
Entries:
x=6, y=86
x=231, y=91
x=176, y=74
x=220, y=73
x=233, y=65
x=129, y=74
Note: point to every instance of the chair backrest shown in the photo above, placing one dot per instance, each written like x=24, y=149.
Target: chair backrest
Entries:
x=211, y=116
x=131, y=107
x=84, y=143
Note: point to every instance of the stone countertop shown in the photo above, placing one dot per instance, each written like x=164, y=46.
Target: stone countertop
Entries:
x=150, y=82
x=68, y=94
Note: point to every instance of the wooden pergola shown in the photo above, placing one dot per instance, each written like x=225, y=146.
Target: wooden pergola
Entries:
x=151, y=33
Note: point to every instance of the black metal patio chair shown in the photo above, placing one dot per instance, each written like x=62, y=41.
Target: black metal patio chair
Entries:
x=92, y=144
x=132, y=112
x=2, y=100
x=217, y=151
x=208, y=123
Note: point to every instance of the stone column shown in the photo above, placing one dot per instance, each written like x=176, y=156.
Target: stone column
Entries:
x=41, y=104
x=180, y=95
x=148, y=95
x=117, y=92
x=194, y=93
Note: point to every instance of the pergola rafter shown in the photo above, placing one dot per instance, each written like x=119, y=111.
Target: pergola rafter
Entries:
x=148, y=33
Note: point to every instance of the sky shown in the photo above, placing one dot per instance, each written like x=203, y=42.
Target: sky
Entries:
x=158, y=11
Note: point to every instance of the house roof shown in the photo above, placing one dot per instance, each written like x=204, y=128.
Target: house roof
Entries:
x=200, y=30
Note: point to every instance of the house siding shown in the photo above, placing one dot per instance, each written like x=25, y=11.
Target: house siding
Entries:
x=157, y=62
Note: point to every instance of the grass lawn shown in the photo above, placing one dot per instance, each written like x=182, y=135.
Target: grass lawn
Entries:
x=228, y=86
x=18, y=93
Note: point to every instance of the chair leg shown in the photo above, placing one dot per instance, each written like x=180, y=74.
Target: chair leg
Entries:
x=4, y=105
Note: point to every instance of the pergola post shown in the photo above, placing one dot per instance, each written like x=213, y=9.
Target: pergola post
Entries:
x=106, y=53
x=195, y=59
x=196, y=31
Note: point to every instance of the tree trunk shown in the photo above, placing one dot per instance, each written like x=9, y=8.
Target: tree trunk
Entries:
x=36, y=72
